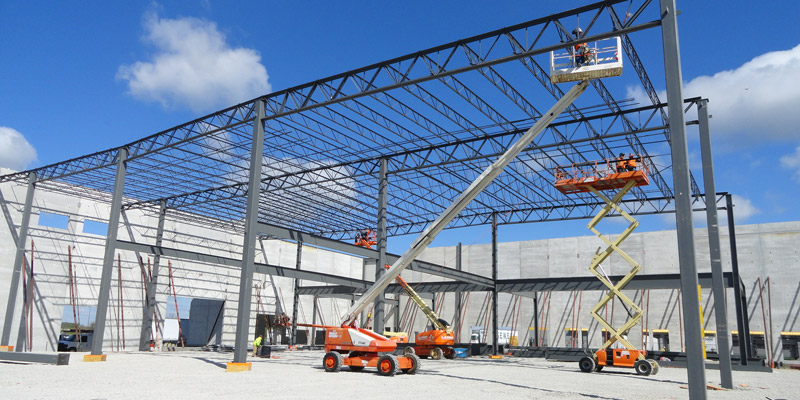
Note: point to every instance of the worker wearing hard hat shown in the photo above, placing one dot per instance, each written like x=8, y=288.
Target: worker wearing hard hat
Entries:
x=622, y=163
x=581, y=50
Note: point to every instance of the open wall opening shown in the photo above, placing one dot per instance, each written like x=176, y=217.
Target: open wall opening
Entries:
x=199, y=321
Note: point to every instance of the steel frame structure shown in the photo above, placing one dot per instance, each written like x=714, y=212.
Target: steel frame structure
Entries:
x=432, y=121
x=436, y=117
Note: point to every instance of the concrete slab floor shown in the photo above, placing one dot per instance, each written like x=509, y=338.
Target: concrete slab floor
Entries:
x=299, y=375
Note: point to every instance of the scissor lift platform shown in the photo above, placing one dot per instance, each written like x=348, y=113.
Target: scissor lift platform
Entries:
x=577, y=178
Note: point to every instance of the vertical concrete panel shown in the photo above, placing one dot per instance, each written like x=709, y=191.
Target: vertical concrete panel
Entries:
x=534, y=259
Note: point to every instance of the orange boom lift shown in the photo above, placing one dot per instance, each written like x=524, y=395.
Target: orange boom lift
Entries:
x=436, y=343
x=622, y=174
x=359, y=347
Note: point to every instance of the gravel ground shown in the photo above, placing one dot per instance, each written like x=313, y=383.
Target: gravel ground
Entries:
x=299, y=375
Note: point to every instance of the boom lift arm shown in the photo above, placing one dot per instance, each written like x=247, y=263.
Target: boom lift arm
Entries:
x=488, y=175
x=437, y=322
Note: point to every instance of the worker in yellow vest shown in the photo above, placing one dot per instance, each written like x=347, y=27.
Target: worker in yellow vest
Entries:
x=257, y=344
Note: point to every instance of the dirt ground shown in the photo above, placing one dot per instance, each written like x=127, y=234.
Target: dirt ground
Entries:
x=299, y=375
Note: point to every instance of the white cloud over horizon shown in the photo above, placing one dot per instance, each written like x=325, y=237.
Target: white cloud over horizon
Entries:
x=193, y=66
x=792, y=162
x=743, y=209
x=15, y=151
x=756, y=100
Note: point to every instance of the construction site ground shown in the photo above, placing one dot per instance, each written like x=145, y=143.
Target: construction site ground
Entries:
x=299, y=375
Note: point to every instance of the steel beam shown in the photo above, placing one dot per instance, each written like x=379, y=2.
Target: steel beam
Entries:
x=149, y=308
x=683, y=205
x=742, y=319
x=494, y=278
x=266, y=269
x=16, y=274
x=536, y=319
x=720, y=305
x=419, y=266
x=459, y=305
x=39, y=358
x=296, y=295
x=528, y=286
x=108, y=257
x=250, y=235
x=383, y=201
x=589, y=283
x=313, y=320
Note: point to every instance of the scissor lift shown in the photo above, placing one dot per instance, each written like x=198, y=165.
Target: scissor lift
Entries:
x=594, y=177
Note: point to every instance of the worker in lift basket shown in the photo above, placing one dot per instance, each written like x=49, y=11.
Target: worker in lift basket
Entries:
x=622, y=163
x=257, y=344
x=581, y=50
x=631, y=163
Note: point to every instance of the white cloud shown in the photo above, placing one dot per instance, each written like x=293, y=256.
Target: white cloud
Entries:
x=194, y=67
x=15, y=152
x=792, y=161
x=757, y=100
x=742, y=209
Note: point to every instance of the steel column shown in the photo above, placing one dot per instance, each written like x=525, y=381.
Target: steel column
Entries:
x=296, y=297
x=313, y=321
x=536, y=319
x=494, y=288
x=250, y=235
x=742, y=319
x=152, y=285
x=383, y=198
x=16, y=273
x=683, y=207
x=457, y=319
x=721, y=306
x=108, y=257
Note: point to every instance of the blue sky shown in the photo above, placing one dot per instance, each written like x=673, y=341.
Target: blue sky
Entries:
x=79, y=77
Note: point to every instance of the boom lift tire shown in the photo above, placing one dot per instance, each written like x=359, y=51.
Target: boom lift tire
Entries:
x=332, y=362
x=643, y=367
x=414, y=364
x=409, y=351
x=449, y=353
x=655, y=366
x=387, y=365
x=598, y=368
x=437, y=353
x=587, y=364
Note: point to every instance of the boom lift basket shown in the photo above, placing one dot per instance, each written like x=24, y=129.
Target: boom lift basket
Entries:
x=602, y=60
